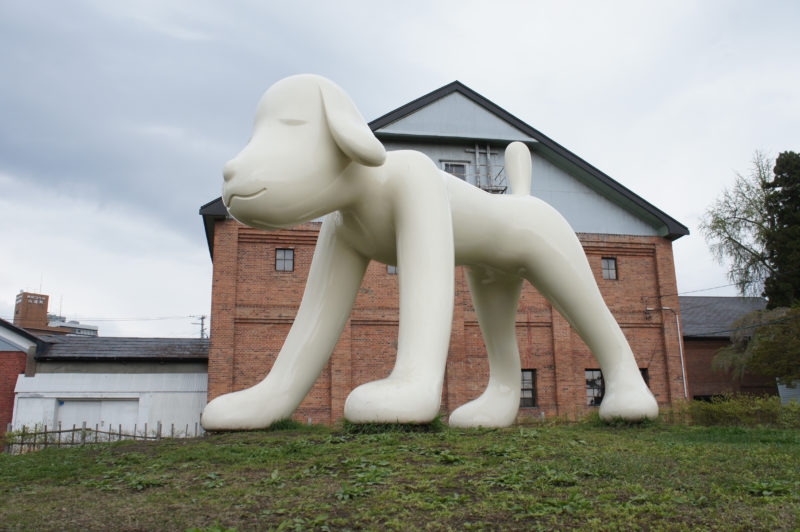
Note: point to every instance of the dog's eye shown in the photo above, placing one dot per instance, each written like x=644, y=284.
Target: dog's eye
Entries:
x=293, y=121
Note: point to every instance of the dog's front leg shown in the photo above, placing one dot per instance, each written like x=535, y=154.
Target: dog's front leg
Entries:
x=412, y=392
x=333, y=282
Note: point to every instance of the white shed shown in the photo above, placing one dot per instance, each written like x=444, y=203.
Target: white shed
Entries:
x=115, y=382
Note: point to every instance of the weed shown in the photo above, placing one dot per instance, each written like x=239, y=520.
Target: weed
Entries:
x=739, y=411
x=768, y=488
x=212, y=481
x=563, y=476
x=437, y=425
x=216, y=527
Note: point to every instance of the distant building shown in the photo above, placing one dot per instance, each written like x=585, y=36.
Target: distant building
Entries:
x=112, y=382
x=15, y=343
x=707, y=325
x=30, y=313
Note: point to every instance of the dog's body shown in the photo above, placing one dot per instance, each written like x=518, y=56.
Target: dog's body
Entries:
x=312, y=154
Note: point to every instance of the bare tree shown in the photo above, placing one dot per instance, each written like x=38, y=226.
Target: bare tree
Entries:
x=736, y=225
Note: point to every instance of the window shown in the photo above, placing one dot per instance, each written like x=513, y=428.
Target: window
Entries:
x=457, y=169
x=391, y=270
x=284, y=260
x=609, y=268
x=596, y=388
x=528, y=396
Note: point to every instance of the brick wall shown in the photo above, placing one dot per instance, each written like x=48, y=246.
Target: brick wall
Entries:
x=704, y=381
x=12, y=364
x=253, y=306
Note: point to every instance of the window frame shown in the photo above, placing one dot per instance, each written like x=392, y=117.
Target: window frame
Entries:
x=604, y=269
x=532, y=401
x=282, y=261
x=594, y=375
x=464, y=164
x=391, y=269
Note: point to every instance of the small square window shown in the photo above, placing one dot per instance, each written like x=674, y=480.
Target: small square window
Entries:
x=609, y=268
x=528, y=395
x=284, y=260
x=457, y=169
x=391, y=270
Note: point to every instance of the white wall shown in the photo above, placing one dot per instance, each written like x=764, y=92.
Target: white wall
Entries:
x=456, y=116
x=586, y=210
x=110, y=400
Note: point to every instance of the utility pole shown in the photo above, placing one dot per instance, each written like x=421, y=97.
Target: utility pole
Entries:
x=202, y=325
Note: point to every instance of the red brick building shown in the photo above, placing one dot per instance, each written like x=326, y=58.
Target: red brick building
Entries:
x=14, y=345
x=707, y=326
x=31, y=313
x=259, y=277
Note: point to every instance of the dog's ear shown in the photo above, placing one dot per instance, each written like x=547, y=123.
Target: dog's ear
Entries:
x=349, y=129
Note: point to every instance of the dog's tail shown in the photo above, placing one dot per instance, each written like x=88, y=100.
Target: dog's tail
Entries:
x=518, y=168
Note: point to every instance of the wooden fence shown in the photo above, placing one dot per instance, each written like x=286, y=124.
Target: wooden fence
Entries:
x=27, y=440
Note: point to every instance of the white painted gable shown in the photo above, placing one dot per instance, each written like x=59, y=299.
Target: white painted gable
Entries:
x=455, y=116
x=586, y=210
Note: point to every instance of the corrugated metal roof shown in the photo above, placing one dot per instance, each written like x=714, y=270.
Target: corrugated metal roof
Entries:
x=713, y=317
x=124, y=348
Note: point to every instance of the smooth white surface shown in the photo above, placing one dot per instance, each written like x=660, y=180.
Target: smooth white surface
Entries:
x=588, y=206
x=311, y=153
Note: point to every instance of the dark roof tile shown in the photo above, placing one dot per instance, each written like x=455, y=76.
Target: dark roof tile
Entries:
x=124, y=348
x=713, y=317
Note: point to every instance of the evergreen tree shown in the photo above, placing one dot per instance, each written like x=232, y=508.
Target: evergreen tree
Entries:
x=782, y=237
x=756, y=226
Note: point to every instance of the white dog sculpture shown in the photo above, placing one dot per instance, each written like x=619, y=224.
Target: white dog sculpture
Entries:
x=312, y=154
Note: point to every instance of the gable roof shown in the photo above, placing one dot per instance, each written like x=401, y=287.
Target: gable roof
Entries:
x=541, y=142
x=713, y=317
x=110, y=348
x=18, y=339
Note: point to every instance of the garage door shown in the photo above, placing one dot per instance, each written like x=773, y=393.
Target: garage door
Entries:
x=107, y=413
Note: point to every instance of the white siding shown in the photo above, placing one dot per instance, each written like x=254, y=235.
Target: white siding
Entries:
x=586, y=210
x=456, y=116
x=111, y=399
x=788, y=394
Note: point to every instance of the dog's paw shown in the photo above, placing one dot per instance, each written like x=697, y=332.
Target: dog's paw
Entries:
x=631, y=402
x=248, y=409
x=496, y=407
x=393, y=401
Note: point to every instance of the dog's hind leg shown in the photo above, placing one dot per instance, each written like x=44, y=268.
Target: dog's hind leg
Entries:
x=495, y=296
x=558, y=268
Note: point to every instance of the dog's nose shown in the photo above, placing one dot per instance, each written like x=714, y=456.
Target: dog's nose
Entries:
x=228, y=171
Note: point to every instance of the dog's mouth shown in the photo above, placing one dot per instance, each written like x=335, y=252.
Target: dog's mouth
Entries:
x=228, y=200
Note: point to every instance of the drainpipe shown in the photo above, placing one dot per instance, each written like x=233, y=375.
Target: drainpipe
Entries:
x=680, y=345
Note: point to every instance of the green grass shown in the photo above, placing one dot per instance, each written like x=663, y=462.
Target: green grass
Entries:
x=572, y=476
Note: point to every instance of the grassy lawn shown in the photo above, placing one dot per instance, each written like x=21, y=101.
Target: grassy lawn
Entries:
x=577, y=476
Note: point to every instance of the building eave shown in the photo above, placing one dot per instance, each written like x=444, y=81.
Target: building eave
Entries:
x=212, y=212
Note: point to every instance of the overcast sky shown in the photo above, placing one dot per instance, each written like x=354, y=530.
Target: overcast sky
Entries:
x=117, y=117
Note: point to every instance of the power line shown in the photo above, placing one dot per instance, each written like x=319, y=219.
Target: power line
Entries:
x=756, y=280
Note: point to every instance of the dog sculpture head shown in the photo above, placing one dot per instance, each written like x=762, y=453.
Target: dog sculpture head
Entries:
x=307, y=131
